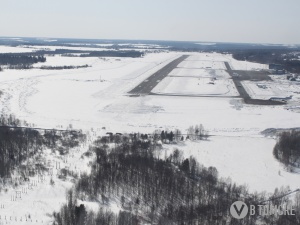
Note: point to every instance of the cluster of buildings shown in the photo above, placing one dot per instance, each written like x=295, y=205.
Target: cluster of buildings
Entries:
x=279, y=70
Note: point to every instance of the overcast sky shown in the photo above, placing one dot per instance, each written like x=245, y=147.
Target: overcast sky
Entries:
x=251, y=21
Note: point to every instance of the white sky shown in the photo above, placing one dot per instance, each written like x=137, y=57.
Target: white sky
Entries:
x=251, y=21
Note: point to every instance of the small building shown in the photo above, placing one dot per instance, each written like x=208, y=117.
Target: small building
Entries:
x=280, y=72
x=273, y=66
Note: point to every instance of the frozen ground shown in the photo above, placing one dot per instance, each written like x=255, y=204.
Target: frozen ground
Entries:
x=8, y=49
x=248, y=160
x=280, y=87
x=201, y=64
x=97, y=97
x=196, y=86
x=58, y=60
x=208, y=73
x=37, y=199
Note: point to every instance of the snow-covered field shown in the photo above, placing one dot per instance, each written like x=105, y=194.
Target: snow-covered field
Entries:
x=208, y=73
x=196, y=86
x=97, y=97
x=201, y=64
x=8, y=49
x=246, y=159
x=280, y=87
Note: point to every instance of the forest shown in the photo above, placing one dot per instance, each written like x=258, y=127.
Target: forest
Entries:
x=62, y=67
x=156, y=190
x=20, y=60
x=19, y=143
x=132, y=54
x=287, y=58
x=287, y=148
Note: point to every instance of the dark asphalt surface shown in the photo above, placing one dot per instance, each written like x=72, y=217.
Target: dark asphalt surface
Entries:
x=249, y=75
x=147, y=85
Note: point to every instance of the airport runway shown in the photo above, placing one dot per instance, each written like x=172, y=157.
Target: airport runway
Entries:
x=147, y=85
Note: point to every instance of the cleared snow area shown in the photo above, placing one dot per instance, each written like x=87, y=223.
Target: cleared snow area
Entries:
x=196, y=86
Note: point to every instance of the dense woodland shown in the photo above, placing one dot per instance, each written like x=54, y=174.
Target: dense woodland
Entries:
x=287, y=58
x=132, y=54
x=17, y=144
x=287, y=148
x=62, y=67
x=153, y=189
x=14, y=60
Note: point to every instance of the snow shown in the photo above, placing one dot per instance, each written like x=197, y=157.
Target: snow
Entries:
x=58, y=60
x=98, y=97
x=9, y=49
x=197, y=64
x=245, y=65
x=37, y=203
x=194, y=86
x=54, y=47
x=280, y=87
x=206, y=43
x=199, y=73
x=190, y=78
x=248, y=160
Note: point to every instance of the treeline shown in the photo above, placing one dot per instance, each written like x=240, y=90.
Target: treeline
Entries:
x=282, y=57
x=62, y=67
x=162, y=191
x=132, y=54
x=72, y=214
x=151, y=190
x=18, y=60
x=287, y=148
x=197, y=132
x=17, y=144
